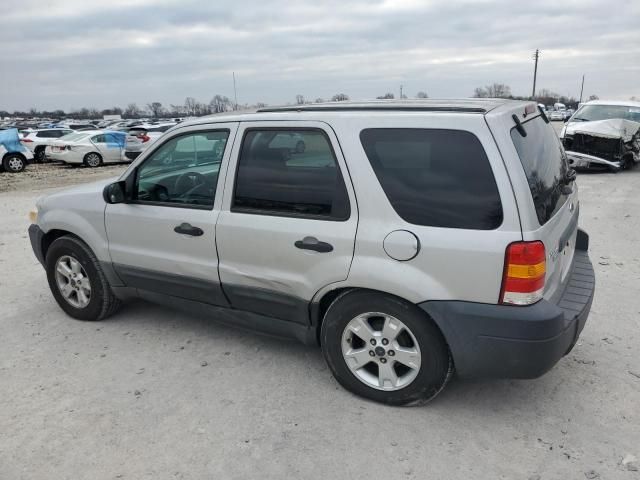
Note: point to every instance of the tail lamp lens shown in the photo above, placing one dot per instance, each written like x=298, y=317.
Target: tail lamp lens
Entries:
x=524, y=273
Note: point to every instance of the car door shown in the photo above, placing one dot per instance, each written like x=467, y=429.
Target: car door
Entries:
x=105, y=148
x=163, y=239
x=110, y=146
x=288, y=221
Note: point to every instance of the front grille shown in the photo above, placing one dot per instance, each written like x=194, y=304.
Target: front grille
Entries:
x=607, y=148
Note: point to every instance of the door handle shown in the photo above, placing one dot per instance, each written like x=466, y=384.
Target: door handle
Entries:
x=312, y=243
x=188, y=229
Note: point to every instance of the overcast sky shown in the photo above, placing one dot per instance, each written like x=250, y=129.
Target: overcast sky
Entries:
x=74, y=53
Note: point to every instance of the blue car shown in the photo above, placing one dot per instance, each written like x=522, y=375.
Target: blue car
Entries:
x=14, y=155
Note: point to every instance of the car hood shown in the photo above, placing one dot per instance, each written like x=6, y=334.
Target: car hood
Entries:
x=79, y=191
x=614, y=128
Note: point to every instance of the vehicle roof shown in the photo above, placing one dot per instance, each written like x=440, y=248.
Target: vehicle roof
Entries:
x=622, y=103
x=55, y=129
x=464, y=105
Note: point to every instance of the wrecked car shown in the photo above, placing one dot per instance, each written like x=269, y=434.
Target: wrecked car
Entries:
x=603, y=135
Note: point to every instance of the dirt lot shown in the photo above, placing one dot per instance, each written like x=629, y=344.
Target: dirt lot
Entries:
x=157, y=394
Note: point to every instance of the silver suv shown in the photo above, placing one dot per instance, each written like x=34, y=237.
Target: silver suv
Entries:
x=406, y=239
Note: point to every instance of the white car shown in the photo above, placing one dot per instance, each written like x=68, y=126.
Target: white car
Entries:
x=38, y=140
x=139, y=138
x=603, y=134
x=556, y=115
x=292, y=141
x=91, y=148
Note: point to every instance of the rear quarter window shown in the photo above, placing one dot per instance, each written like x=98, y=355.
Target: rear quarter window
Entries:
x=434, y=177
x=544, y=163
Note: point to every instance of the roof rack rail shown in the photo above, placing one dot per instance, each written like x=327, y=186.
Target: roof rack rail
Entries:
x=372, y=107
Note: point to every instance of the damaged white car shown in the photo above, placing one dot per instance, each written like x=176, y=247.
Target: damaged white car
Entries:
x=603, y=134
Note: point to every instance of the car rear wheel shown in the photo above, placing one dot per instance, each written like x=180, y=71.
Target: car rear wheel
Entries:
x=14, y=163
x=385, y=349
x=40, y=155
x=77, y=281
x=92, y=160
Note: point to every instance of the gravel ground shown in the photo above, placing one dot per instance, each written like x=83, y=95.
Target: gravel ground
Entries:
x=153, y=393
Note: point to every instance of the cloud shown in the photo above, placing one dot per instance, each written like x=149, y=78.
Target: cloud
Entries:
x=75, y=53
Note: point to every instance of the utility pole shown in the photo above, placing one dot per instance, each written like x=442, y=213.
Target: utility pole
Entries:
x=581, y=88
x=536, y=55
x=400, y=91
x=235, y=92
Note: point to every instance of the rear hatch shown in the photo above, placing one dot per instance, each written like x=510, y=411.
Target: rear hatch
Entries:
x=555, y=203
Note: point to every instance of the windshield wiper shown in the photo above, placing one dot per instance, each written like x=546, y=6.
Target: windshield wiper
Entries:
x=581, y=119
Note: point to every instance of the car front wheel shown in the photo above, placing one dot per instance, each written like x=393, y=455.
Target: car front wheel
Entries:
x=77, y=281
x=14, y=163
x=385, y=349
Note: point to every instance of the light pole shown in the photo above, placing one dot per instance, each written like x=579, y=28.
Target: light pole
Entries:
x=536, y=55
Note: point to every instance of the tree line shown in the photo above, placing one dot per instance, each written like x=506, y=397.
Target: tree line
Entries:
x=220, y=103
x=544, y=95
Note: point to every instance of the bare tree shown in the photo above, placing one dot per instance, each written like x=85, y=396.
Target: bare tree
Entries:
x=219, y=104
x=422, y=95
x=386, y=96
x=156, y=108
x=593, y=97
x=496, y=90
x=190, y=105
x=635, y=99
x=300, y=99
x=132, y=110
x=340, y=97
x=319, y=100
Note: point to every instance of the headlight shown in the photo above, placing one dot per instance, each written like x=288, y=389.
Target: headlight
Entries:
x=33, y=215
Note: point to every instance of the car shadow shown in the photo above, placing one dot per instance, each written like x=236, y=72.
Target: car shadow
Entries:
x=461, y=395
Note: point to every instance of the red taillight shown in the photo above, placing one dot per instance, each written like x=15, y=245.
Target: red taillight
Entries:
x=524, y=272
x=144, y=137
x=26, y=140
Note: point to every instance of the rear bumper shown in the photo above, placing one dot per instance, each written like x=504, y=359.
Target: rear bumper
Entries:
x=504, y=341
x=131, y=155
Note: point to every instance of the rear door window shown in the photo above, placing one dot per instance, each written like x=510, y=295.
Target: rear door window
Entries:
x=433, y=177
x=290, y=173
x=545, y=165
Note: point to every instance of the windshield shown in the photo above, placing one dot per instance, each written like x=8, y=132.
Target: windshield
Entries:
x=590, y=113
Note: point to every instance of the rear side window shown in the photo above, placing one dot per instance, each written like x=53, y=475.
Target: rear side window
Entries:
x=290, y=173
x=544, y=164
x=437, y=178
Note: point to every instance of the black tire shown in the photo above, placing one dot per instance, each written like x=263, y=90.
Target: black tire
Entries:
x=300, y=146
x=14, y=163
x=103, y=302
x=39, y=155
x=92, y=159
x=436, y=363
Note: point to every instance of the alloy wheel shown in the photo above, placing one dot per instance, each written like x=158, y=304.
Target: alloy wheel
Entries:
x=73, y=282
x=381, y=351
x=16, y=164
